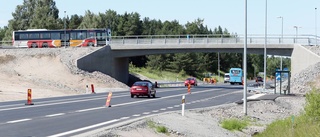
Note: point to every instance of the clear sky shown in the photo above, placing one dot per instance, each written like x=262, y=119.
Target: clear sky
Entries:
x=228, y=14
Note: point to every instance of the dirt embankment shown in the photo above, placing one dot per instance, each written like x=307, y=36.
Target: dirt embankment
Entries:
x=48, y=72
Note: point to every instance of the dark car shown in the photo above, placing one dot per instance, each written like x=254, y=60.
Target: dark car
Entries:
x=142, y=88
x=191, y=81
x=259, y=79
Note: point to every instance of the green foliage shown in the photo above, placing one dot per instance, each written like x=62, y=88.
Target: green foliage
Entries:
x=160, y=129
x=305, y=125
x=313, y=103
x=234, y=124
x=300, y=126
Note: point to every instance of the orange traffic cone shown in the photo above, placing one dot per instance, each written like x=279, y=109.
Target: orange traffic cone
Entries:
x=108, y=99
x=29, y=99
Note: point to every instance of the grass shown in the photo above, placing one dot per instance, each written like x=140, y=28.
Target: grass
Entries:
x=304, y=125
x=234, y=124
x=301, y=126
x=159, y=75
x=166, y=75
x=158, y=128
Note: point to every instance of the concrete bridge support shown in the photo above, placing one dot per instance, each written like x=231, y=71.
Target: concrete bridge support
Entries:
x=103, y=60
x=302, y=58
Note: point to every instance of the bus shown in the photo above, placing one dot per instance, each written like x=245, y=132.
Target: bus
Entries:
x=236, y=76
x=42, y=38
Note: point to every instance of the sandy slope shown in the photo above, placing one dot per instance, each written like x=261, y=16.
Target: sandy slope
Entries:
x=48, y=72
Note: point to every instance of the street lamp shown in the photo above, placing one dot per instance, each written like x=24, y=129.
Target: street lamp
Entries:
x=280, y=17
x=316, y=25
x=281, y=40
x=245, y=60
x=65, y=33
x=265, y=48
x=296, y=27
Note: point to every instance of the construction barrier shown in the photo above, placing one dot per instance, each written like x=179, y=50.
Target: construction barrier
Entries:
x=108, y=99
x=92, y=89
x=29, y=99
x=189, y=88
x=183, y=105
x=87, y=88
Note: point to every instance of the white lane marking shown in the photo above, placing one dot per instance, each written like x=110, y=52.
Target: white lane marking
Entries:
x=84, y=128
x=123, y=118
x=188, y=103
x=129, y=103
x=170, y=107
x=176, y=106
x=54, y=115
x=136, y=115
x=146, y=113
x=255, y=96
x=163, y=109
x=16, y=121
x=84, y=110
x=155, y=111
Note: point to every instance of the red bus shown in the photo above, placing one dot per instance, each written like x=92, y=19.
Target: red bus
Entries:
x=42, y=38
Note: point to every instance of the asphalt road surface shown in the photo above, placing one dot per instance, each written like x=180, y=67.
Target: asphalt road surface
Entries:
x=73, y=115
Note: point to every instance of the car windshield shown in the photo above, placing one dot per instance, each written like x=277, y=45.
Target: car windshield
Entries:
x=140, y=84
x=190, y=79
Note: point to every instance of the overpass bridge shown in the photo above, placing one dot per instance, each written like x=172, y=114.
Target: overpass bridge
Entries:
x=113, y=58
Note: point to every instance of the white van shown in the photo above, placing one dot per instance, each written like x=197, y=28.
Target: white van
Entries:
x=226, y=78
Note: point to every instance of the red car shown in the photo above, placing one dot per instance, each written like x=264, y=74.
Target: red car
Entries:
x=142, y=88
x=259, y=79
x=191, y=81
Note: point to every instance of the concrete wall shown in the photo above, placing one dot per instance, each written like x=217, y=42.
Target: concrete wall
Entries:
x=103, y=60
x=302, y=58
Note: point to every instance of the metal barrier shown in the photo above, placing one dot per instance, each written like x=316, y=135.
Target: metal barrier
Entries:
x=213, y=39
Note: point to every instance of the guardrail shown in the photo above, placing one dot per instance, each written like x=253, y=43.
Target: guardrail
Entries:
x=214, y=39
x=5, y=43
x=170, y=84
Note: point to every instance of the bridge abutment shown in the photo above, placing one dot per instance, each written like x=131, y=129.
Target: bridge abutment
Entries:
x=104, y=61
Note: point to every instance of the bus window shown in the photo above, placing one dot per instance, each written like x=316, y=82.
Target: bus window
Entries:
x=23, y=36
x=55, y=36
x=65, y=37
x=34, y=36
x=81, y=35
x=91, y=34
x=73, y=35
x=44, y=35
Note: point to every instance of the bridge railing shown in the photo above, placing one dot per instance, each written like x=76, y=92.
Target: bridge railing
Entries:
x=214, y=39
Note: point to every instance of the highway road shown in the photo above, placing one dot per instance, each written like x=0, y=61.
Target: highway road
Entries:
x=73, y=115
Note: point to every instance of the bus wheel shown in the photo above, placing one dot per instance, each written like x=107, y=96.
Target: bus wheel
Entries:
x=90, y=44
x=44, y=45
x=34, y=45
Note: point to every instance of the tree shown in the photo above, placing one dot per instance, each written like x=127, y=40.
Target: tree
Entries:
x=34, y=14
x=3, y=32
x=74, y=21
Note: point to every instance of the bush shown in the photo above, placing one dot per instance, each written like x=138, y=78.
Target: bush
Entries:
x=313, y=103
x=234, y=124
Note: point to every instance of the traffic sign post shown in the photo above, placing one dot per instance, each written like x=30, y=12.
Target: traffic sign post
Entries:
x=183, y=105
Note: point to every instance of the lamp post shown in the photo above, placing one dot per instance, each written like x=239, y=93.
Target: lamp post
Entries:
x=316, y=25
x=65, y=33
x=281, y=40
x=280, y=17
x=245, y=60
x=265, y=47
x=296, y=27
